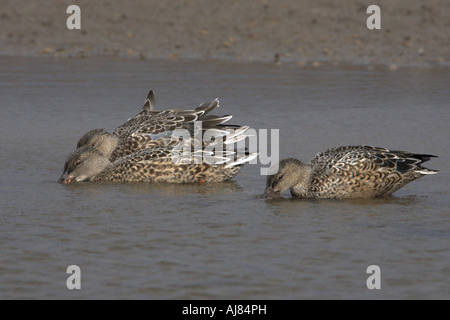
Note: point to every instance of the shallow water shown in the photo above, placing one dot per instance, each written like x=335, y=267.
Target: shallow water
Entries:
x=219, y=241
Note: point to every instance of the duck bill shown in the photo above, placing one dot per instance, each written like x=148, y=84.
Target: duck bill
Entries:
x=269, y=193
x=65, y=178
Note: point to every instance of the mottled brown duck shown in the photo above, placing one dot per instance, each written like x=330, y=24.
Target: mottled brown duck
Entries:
x=348, y=172
x=148, y=148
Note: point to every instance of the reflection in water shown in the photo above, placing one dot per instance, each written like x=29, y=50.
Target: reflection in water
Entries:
x=175, y=189
x=172, y=188
x=408, y=200
x=284, y=205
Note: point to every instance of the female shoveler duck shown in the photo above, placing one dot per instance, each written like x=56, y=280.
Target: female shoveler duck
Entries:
x=148, y=148
x=348, y=172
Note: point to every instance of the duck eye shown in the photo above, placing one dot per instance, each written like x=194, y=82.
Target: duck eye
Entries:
x=280, y=176
x=78, y=162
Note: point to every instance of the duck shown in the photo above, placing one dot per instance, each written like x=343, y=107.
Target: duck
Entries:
x=161, y=146
x=347, y=172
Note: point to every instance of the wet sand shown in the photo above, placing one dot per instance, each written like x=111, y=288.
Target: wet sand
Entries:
x=413, y=32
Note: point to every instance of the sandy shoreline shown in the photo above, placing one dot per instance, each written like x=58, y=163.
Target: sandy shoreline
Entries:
x=413, y=32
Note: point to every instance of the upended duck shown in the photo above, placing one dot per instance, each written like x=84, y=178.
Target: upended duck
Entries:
x=348, y=172
x=146, y=149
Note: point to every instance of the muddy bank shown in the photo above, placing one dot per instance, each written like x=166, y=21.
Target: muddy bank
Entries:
x=413, y=32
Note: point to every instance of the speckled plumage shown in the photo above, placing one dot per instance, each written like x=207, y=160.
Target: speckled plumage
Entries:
x=348, y=172
x=143, y=149
x=155, y=165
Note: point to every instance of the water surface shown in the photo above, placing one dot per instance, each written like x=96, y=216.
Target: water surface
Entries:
x=221, y=241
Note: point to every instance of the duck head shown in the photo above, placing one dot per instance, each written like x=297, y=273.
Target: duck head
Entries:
x=291, y=172
x=101, y=140
x=83, y=165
